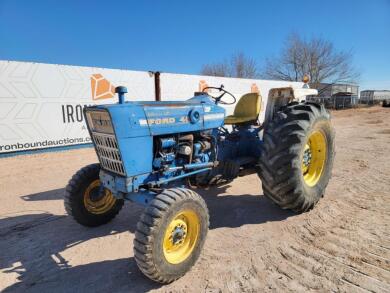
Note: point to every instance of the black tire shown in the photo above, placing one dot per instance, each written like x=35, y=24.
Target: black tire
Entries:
x=224, y=173
x=282, y=153
x=151, y=228
x=74, y=198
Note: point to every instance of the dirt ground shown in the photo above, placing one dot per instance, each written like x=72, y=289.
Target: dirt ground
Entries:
x=342, y=245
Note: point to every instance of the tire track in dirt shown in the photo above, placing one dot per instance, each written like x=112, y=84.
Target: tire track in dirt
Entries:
x=315, y=250
x=8, y=230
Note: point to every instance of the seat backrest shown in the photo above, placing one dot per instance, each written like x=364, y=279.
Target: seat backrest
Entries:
x=248, y=106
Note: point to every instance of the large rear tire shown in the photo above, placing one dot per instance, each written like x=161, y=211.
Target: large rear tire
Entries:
x=297, y=156
x=86, y=203
x=170, y=234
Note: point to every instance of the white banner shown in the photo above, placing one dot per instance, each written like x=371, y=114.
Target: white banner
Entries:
x=41, y=104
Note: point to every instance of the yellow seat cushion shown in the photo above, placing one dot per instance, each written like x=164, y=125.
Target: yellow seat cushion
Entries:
x=246, y=110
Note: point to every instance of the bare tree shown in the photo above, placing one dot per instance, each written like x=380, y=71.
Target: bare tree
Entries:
x=316, y=57
x=238, y=65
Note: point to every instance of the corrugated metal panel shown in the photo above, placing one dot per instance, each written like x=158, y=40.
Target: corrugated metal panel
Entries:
x=373, y=95
x=327, y=89
x=381, y=95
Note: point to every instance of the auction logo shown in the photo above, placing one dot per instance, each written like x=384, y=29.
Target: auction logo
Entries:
x=202, y=85
x=101, y=87
x=255, y=88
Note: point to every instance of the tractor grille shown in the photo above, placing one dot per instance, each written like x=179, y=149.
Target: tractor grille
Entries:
x=108, y=152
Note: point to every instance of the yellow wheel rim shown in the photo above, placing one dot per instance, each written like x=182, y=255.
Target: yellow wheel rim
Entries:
x=314, y=157
x=181, y=236
x=96, y=203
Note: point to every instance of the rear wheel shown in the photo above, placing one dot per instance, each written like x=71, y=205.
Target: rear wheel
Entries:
x=297, y=156
x=170, y=234
x=88, y=203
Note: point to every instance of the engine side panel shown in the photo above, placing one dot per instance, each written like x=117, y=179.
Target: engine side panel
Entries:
x=137, y=154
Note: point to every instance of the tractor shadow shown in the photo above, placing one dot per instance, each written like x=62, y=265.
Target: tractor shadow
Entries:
x=32, y=245
x=225, y=210
x=237, y=210
x=55, y=194
x=32, y=248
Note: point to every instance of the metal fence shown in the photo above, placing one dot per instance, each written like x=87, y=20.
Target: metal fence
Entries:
x=336, y=102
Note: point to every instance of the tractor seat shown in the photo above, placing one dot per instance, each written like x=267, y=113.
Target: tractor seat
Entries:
x=246, y=110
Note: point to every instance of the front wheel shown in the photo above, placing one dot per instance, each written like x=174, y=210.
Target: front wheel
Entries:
x=170, y=234
x=297, y=156
x=88, y=203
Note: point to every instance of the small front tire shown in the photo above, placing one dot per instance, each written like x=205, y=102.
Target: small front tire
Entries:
x=170, y=234
x=86, y=203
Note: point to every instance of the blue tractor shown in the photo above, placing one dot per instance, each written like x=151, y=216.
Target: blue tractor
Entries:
x=155, y=153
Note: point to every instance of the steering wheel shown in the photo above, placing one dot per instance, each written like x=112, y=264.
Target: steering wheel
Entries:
x=223, y=92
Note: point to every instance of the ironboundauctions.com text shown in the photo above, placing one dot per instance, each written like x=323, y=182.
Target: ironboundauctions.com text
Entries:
x=44, y=144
